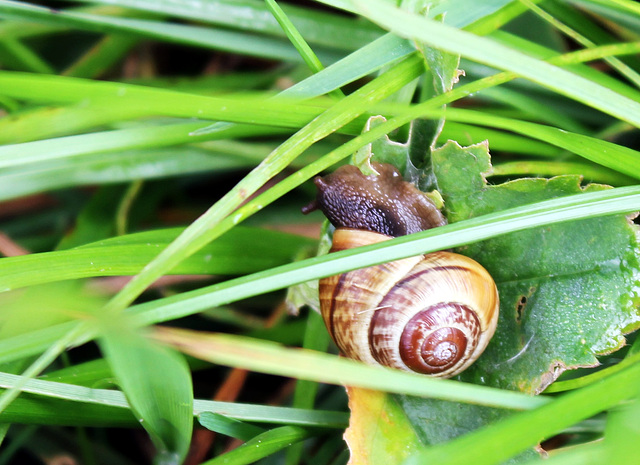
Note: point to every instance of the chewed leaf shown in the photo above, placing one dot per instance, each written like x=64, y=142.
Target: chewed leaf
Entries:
x=568, y=292
x=382, y=150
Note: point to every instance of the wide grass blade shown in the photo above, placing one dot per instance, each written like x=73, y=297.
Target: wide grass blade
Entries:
x=157, y=383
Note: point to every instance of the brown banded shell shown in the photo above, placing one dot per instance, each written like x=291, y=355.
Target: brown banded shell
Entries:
x=432, y=314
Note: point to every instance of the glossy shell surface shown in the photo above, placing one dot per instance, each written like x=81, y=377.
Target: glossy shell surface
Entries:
x=432, y=314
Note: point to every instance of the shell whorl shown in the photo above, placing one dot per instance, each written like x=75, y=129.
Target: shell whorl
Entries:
x=430, y=314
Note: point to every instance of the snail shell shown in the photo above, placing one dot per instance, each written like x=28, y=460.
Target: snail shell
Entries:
x=432, y=314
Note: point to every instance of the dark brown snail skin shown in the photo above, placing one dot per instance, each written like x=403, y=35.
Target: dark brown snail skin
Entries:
x=432, y=314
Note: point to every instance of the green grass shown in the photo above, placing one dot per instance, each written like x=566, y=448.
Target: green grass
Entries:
x=138, y=135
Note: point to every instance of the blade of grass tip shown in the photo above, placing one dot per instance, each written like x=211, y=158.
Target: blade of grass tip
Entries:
x=262, y=446
x=229, y=426
x=615, y=63
x=157, y=383
x=489, y=52
x=108, y=51
x=203, y=231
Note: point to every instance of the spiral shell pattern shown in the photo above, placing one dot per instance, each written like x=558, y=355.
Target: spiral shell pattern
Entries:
x=432, y=314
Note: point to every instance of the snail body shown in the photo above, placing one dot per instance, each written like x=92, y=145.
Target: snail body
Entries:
x=433, y=313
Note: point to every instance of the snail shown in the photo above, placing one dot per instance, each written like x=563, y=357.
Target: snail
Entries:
x=431, y=314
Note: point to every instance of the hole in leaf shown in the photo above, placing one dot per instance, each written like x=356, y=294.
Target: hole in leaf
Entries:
x=520, y=306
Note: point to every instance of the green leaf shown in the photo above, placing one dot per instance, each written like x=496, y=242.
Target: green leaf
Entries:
x=460, y=174
x=566, y=290
x=565, y=294
x=157, y=383
x=382, y=150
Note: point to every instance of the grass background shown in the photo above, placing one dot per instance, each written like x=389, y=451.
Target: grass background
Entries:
x=136, y=132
